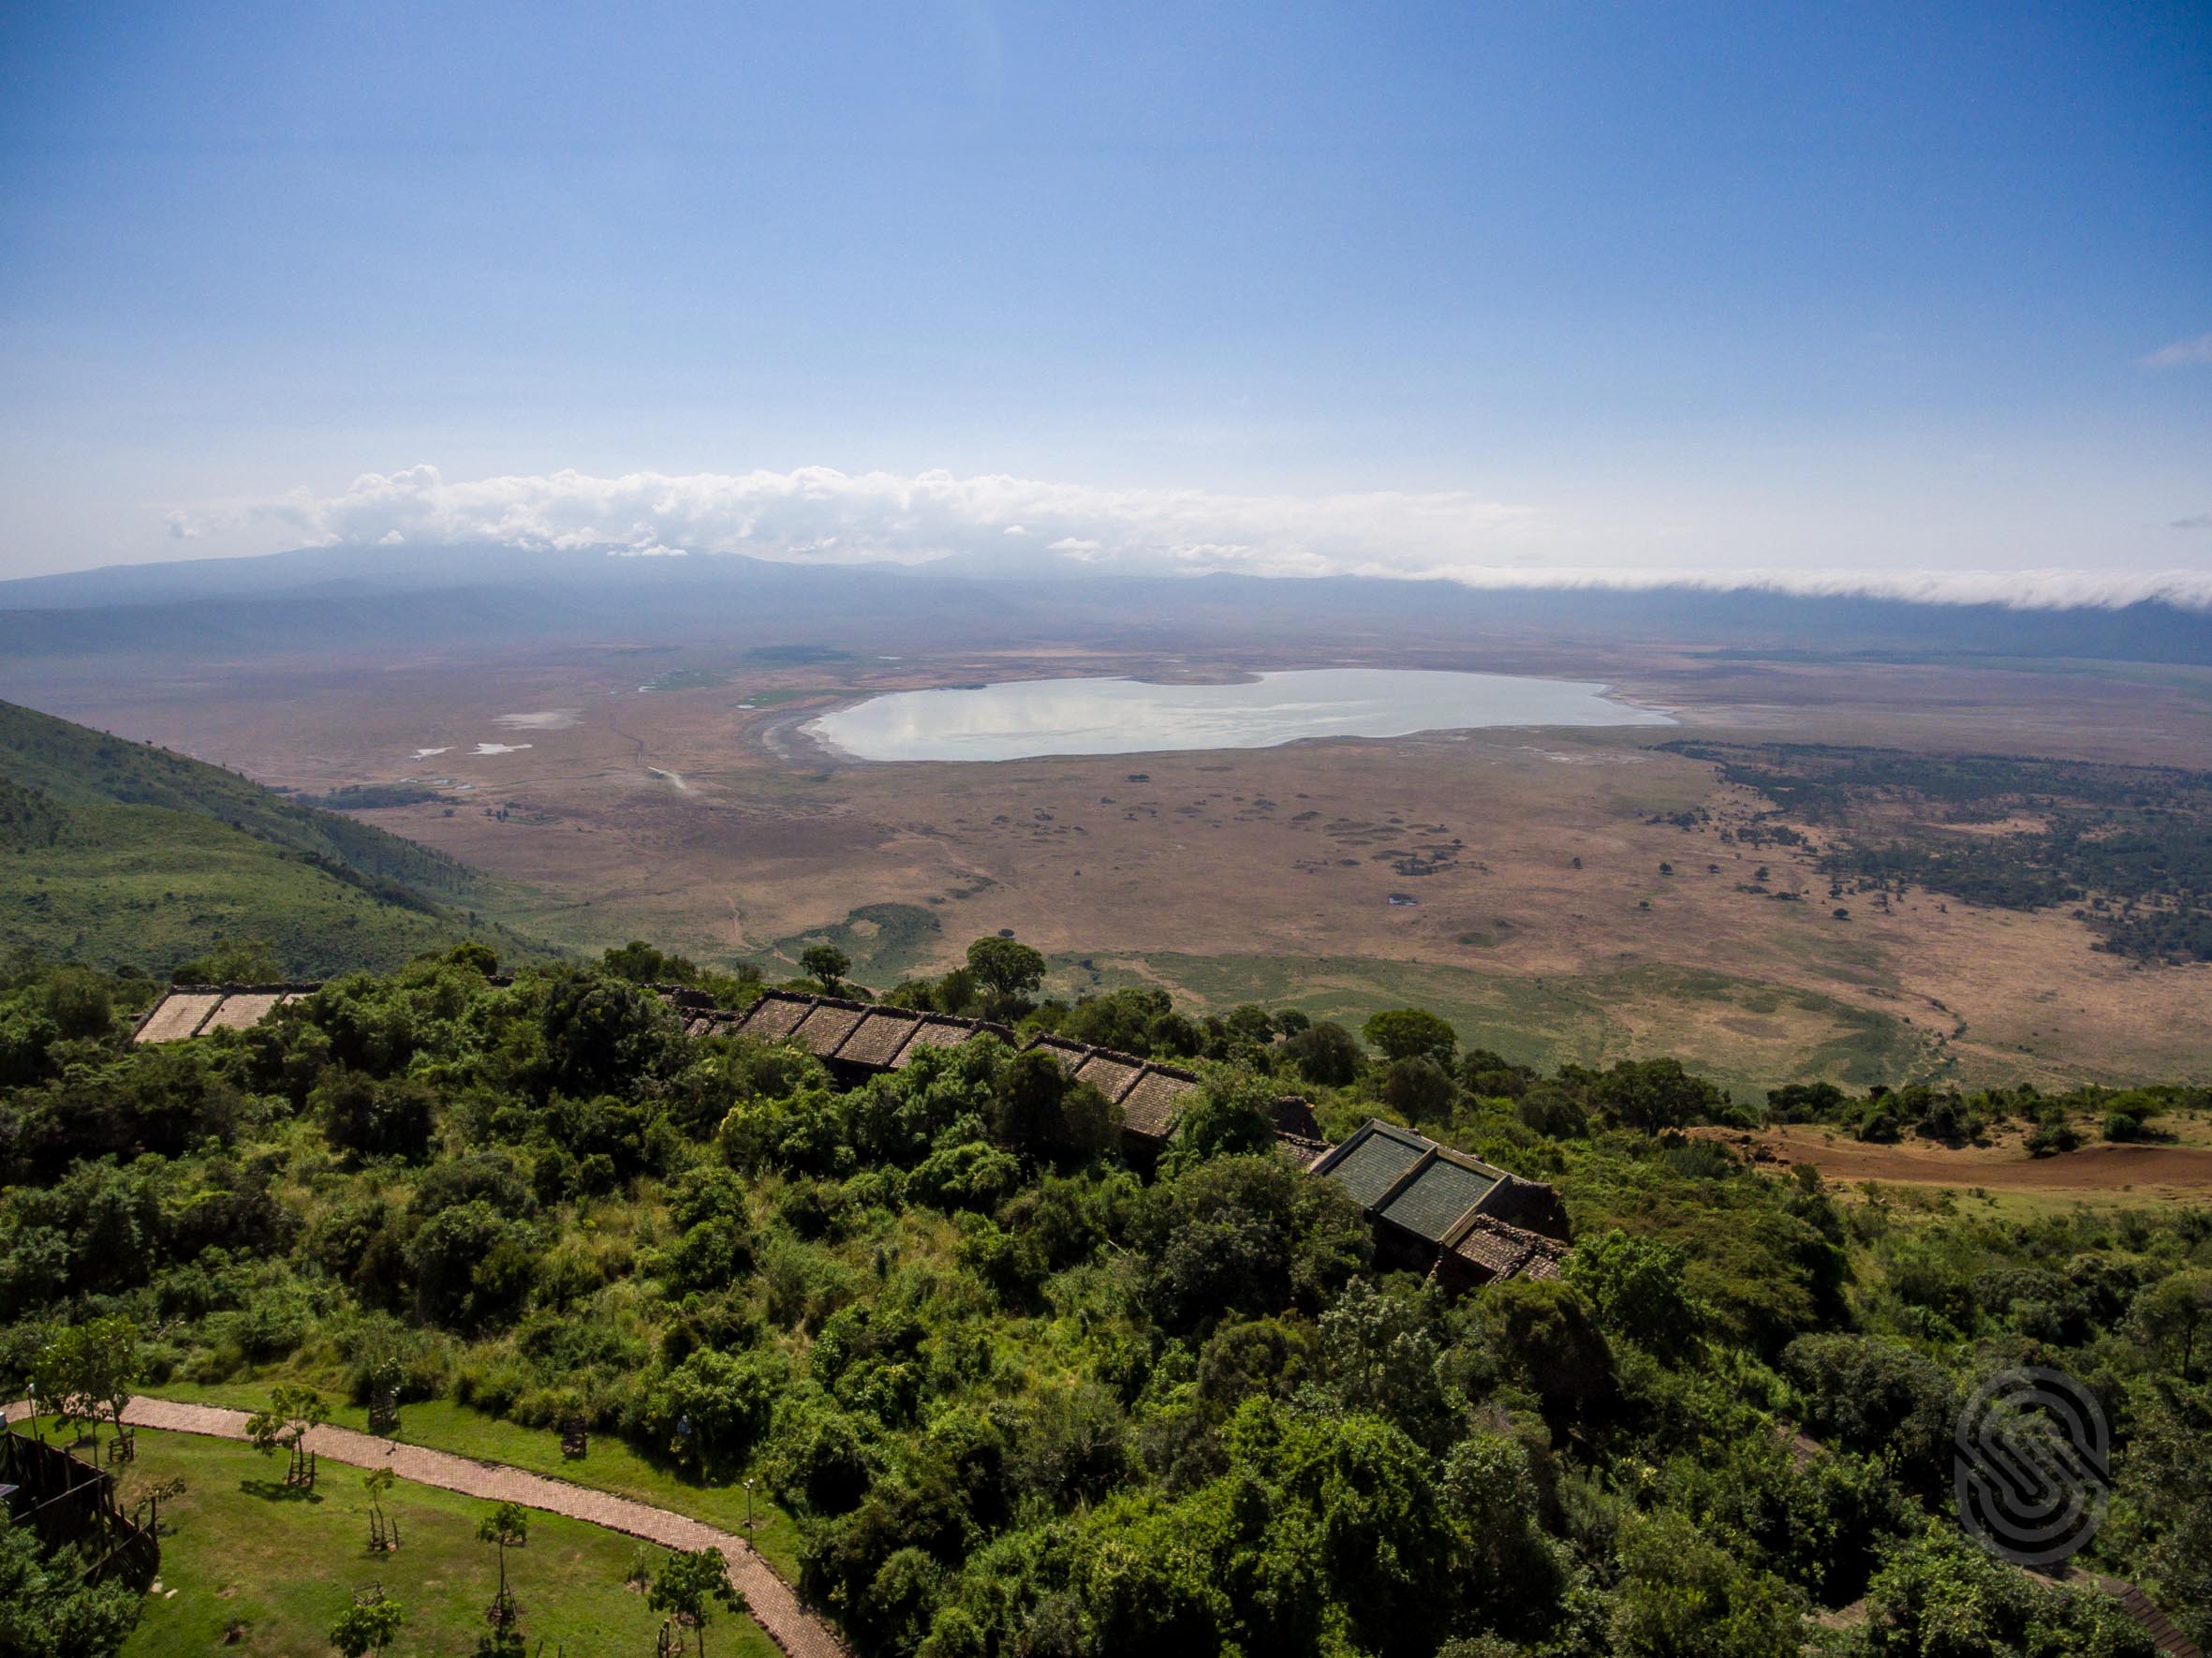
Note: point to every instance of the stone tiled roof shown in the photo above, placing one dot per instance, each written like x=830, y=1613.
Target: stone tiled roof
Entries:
x=179, y=1013
x=876, y=1040
x=1155, y=1102
x=935, y=1031
x=1112, y=1075
x=1071, y=1054
x=859, y=1034
x=1149, y=1093
x=1481, y=1222
x=1497, y=1248
x=775, y=1016
x=824, y=1030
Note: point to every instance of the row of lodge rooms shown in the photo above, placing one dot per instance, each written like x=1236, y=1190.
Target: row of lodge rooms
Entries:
x=1454, y=1218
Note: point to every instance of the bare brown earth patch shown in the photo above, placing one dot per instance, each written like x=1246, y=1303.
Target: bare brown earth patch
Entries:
x=2182, y=1172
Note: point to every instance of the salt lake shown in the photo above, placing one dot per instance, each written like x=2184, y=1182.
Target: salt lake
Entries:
x=1022, y=719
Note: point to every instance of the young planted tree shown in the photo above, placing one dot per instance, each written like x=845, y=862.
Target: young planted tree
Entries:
x=291, y=1412
x=508, y=1527
x=383, y=1529
x=366, y=1627
x=690, y=1586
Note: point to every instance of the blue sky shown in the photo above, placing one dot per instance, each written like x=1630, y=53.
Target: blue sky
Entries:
x=1469, y=289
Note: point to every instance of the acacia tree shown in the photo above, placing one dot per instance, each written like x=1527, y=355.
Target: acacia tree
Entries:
x=509, y=1526
x=826, y=963
x=1009, y=973
x=690, y=1586
x=292, y=1411
x=1411, y=1033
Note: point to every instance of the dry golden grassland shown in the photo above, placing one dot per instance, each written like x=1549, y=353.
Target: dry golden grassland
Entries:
x=683, y=816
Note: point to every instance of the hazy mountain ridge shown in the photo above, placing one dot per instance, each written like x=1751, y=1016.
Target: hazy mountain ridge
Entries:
x=415, y=598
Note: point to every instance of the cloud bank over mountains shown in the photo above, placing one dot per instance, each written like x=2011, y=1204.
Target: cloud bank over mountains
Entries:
x=820, y=515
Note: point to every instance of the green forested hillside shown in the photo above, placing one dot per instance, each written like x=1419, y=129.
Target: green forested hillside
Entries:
x=1001, y=1394
x=121, y=854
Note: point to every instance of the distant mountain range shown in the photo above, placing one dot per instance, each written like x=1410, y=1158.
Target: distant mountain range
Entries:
x=346, y=597
x=119, y=853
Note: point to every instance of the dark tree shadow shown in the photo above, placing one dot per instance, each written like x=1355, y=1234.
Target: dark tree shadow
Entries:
x=276, y=1491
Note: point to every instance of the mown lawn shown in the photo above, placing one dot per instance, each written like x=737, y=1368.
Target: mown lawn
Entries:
x=608, y=1466
x=248, y=1566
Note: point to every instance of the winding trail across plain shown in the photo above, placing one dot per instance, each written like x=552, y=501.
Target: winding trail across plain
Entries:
x=775, y=1607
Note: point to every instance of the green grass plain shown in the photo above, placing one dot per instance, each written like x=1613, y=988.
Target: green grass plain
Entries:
x=1745, y=1025
x=243, y=1553
x=610, y=1465
x=886, y=942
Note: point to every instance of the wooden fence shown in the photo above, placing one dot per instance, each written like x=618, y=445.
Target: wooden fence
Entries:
x=71, y=1504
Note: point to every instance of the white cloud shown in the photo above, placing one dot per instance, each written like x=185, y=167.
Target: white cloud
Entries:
x=2196, y=353
x=820, y=515
x=817, y=514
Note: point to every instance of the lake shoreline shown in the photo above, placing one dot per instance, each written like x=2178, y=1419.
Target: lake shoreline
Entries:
x=1048, y=718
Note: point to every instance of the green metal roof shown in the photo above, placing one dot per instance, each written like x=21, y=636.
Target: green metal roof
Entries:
x=1374, y=1165
x=1438, y=1196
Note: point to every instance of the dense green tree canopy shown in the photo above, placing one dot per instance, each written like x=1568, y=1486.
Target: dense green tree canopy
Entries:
x=1019, y=1396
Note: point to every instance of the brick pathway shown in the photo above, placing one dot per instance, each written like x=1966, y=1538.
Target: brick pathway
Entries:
x=774, y=1608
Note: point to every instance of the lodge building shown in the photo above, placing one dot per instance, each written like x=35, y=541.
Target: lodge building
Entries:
x=1460, y=1221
